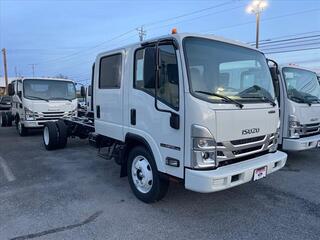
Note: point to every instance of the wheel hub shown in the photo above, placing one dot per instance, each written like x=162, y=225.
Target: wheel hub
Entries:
x=142, y=174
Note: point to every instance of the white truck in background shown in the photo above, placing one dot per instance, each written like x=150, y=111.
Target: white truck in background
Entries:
x=196, y=108
x=38, y=100
x=298, y=92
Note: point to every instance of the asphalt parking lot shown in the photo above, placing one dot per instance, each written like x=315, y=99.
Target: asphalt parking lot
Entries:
x=75, y=194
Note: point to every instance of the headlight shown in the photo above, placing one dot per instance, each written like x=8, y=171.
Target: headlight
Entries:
x=204, y=148
x=274, y=146
x=294, y=127
x=29, y=115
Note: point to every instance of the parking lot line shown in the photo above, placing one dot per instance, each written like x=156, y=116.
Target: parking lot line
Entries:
x=6, y=170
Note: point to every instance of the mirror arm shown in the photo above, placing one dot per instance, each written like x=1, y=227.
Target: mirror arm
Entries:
x=174, y=118
x=157, y=81
x=275, y=63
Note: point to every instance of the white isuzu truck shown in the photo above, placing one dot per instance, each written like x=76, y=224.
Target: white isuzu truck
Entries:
x=195, y=108
x=38, y=100
x=298, y=92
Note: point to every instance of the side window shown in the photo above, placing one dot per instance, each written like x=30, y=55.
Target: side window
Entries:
x=110, y=71
x=168, y=89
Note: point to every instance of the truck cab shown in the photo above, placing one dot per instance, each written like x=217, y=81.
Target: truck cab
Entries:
x=299, y=96
x=199, y=108
x=196, y=109
x=38, y=100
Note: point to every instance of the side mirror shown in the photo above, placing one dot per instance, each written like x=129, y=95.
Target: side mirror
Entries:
x=19, y=94
x=11, y=91
x=89, y=90
x=149, y=73
x=83, y=91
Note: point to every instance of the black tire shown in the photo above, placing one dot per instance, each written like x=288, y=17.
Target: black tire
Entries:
x=4, y=120
x=50, y=136
x=21, y=129
x=159, y=186
x=9, y=119
x=63, y=134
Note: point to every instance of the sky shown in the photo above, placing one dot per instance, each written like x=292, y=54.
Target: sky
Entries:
x=64, y=36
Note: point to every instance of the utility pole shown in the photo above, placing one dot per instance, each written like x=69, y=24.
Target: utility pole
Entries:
x=16, y=71
x=142, y=33
x=33, y=67
x=5, y=69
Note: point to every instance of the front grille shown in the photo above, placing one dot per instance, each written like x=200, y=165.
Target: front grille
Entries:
x=47, y=116
x=241, y=159
x=247, y=150
x=247, y=140
x=53, y=112
x=244, y=148
x=310, y=129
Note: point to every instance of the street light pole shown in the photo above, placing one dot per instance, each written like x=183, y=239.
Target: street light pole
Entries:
x=257, y=28
x=256, y=7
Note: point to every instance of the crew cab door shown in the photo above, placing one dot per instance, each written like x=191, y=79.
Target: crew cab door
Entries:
x=160, y=122
x=108, y=97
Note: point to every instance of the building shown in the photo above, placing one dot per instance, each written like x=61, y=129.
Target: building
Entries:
x=3, y=84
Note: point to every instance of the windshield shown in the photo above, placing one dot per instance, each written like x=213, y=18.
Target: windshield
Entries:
x=302, y=85
x=233, y=71
x=49, y=89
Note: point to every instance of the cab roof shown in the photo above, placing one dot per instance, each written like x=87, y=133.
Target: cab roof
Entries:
x=45, y=78
x=180, y=37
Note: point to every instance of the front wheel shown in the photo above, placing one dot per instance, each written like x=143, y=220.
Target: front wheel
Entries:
x=22, y=130
x=144, y=178
x=50, y=136
x=3, y=119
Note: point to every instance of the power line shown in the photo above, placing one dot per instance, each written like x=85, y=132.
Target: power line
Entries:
x=292, y=39
x=280, y=37
x=98, y=45
x=266, y=19
x=189, y=13
x=300, y=45
x=198, y=17
x=295, y=50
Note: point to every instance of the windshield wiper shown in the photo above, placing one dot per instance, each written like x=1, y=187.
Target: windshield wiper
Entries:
x=38, y=98
x=302, y=100
x=240, y=105
x=61, y=98
x=265, y=99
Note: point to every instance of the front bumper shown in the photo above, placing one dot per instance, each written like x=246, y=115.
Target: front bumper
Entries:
x=232, y=175
x=5, y=107
x=35, y=124
x=300, y=144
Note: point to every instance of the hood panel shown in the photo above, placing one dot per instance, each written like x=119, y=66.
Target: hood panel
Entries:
x=309, y=114
x=245, y=123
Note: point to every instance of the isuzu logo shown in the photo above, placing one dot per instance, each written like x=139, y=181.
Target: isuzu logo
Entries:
x=250, y=131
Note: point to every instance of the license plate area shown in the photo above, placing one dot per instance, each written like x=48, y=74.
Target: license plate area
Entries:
x=259, y=173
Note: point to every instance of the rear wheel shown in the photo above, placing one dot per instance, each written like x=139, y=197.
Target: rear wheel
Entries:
x=3, y=119
x=50, y=136
x=9, y=119
x=21, y=129
x=63, y=134
x=144, y=178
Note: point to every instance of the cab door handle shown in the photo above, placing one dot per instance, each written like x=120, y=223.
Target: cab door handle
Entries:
x=133, y=116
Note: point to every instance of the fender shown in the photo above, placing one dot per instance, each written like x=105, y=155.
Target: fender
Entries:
x=132, y=140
